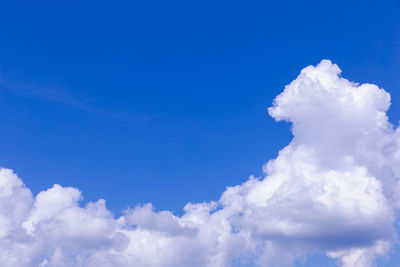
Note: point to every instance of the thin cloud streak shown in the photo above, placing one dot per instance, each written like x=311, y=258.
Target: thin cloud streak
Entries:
x=62, y=96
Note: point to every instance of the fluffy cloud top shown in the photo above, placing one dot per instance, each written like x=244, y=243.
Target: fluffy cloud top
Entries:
x=334, y=189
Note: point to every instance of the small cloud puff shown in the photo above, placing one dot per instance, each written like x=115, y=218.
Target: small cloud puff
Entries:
x=334, y=189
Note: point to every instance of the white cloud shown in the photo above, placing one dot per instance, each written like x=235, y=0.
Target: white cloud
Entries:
x=334, y=189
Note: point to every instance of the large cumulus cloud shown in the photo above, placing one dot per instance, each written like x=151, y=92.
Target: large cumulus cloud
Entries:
x=334, y=189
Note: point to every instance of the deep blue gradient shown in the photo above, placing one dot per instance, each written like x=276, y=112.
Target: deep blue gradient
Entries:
x=166, y=101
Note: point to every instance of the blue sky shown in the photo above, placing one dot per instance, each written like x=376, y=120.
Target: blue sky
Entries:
x=166, y=101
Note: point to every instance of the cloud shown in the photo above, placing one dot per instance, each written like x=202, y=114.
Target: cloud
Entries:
x=334, y=189
x=60, y=95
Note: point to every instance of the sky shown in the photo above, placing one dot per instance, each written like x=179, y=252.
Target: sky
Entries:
x=166, y=102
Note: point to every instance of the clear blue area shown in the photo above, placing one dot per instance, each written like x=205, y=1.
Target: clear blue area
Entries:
x=166, y=101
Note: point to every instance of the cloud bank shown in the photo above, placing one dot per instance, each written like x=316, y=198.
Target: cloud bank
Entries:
x=334, y=189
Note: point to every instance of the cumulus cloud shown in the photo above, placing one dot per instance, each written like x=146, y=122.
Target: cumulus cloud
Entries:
x=334, y=189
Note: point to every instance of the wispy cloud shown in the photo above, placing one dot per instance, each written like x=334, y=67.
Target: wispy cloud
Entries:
x=28, y=88
x=17, y=84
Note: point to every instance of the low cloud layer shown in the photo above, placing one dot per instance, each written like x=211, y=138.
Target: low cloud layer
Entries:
x=334, y=189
